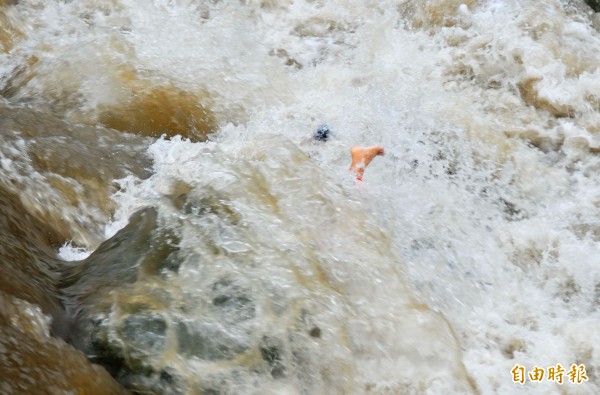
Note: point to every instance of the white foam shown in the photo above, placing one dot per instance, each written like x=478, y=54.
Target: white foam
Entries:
x=69, y=252
x=490, y=203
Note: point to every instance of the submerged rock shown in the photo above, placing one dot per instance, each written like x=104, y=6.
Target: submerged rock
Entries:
x=169, y=307
x=120, y=263
x=135, y=313
x=27, y=261
x=595, y=4
x=211, y=341
x=33, y=362
x=272, y=351
x=145, y=334
x=233, y=301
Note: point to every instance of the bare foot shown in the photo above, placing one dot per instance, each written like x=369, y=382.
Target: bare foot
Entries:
x=361, y=157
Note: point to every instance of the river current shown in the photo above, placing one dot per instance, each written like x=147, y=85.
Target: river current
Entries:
x=170, y=226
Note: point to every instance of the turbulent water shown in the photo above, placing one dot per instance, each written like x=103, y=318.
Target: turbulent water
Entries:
x=167, y=219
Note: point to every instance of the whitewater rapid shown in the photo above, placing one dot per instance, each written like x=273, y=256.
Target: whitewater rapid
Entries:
x=471, y=247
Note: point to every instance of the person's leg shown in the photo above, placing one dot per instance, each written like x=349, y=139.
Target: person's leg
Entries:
x=361, y=157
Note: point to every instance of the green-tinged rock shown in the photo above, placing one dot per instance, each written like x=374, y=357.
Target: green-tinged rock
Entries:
x=211, y=341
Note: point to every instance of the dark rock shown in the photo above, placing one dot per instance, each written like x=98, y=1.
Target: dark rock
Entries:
x=125, y=347
x=138, y=248
x=32, y=362
x=271, y=350
x=595, y=4
x=27, y=260
x=145, y=334
x=233, y=301
x=211, y=341
x=104, y=352
x=148, y=381
x=135, y=310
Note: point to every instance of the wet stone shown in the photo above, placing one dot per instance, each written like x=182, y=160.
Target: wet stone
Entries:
x=116, y=261
x=595, y=4
x=205, y=205
x=32, y=362
x=129, y=352
x=165, y=382
x=144, y=332
x=215, y=323
x=170, y=382
x=98, y=345
x=272, y=351
x=233, y=301
x=139, y=249
x=211, y=341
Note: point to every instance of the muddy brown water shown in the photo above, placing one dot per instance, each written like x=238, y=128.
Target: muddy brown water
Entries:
x=55, y=188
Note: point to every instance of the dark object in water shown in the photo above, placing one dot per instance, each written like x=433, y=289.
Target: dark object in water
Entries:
x=323, y=133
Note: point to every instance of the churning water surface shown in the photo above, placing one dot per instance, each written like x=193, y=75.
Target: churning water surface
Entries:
x=167, y=213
